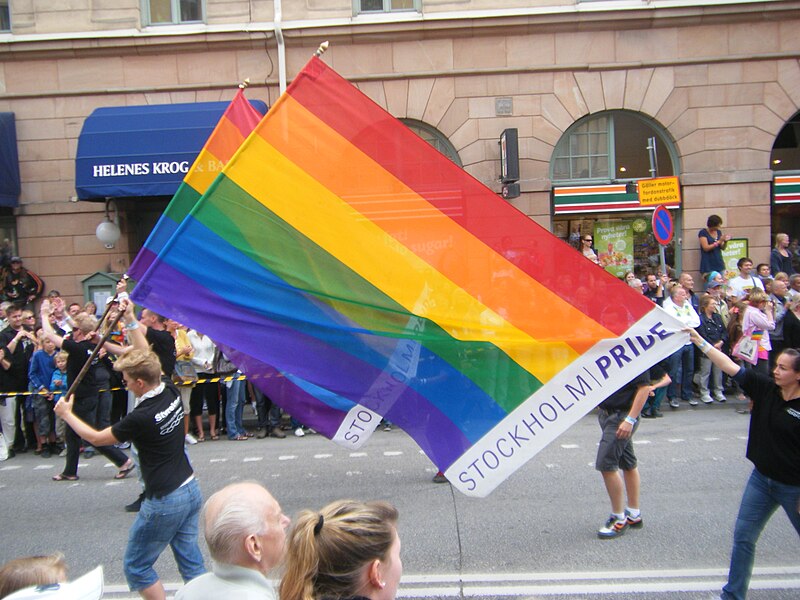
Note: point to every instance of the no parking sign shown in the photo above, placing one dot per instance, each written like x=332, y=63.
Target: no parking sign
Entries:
x=663, y=227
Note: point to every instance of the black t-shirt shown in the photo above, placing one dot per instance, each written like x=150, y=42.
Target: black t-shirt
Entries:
x=78, y=353
x=622, y=399
x=773, y=445
x=15, y=379
x=156, y=427
x=164, y=346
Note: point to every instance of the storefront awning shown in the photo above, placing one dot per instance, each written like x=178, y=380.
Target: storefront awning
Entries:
x=786, y=189
x=597, y=198
x=143, y=150
x=9, y=161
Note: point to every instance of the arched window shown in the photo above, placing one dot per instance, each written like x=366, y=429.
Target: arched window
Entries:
x=611, y=146
x=435, y=138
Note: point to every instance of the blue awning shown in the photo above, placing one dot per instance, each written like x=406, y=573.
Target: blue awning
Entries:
x=9, y=161
x=129, y=151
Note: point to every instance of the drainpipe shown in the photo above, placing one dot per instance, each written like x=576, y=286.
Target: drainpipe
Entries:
x=281, y=47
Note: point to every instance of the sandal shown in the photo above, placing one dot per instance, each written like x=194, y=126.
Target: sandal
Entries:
x=214, y=437
x=201, y=439
x=62, y=477
x=239, y=438
x=124, y=471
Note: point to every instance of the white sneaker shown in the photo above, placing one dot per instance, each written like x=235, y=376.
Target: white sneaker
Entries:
x=299, y=432
x=190, y=439
x=707, y=400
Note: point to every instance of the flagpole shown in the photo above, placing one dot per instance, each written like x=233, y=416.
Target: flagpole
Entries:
x=321, y=50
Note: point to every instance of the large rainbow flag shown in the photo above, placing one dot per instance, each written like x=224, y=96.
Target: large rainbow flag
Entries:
x=377, y=278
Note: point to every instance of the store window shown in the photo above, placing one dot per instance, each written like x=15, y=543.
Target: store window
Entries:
x=435, y=138
x=785, y=163
x=611, y=146
x=5, y=16
x=381, y=6
x=593, y=170
x=173, y=12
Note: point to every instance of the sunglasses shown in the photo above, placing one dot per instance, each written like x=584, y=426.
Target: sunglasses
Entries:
x=588, y=240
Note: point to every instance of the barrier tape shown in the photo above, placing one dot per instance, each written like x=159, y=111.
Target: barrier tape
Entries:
x=223, y=379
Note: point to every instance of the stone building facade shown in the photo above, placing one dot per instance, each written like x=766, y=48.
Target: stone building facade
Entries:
x=718, y=80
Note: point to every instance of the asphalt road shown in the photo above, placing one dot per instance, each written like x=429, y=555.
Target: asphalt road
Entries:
x=534, y=537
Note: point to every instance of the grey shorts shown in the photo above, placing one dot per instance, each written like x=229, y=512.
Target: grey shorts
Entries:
x=613, y=453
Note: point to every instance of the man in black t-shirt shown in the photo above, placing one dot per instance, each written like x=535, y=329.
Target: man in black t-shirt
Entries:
x=160, y=340
x=619, y=419
x=17, y=346
x=172, y=500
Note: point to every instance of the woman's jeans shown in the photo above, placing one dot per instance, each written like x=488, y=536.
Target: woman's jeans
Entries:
x=760, y=500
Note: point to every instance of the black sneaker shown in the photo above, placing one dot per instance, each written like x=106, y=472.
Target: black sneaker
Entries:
x=135, y=505
x=612, y=528
x=634, y=522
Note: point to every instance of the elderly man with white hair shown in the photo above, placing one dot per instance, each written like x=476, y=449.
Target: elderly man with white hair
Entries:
x=245, y=530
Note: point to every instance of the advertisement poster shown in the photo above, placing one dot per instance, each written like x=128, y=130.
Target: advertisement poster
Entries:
x=734, y=250
x=614, y=247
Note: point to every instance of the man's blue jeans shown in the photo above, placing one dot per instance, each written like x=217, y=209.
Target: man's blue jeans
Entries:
x=234, y=409
x=681, y=369
x=760, y=500
x=171, y=520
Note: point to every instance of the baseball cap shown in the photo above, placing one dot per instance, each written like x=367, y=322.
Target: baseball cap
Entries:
x=713, y=284
x=15, y=259
x=87, y=587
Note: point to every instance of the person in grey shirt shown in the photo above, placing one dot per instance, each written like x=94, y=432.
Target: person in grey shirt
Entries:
x=245, y=531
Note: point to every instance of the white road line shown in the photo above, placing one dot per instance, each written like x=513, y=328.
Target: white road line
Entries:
x=393, y=453
x=287, y=457
x=42, y=467
x=675, y=440
x=323, y=455
x=358, y=454
x=252, y=458
x=711, y=439
x=10, y=468
x=570, y=446
x=218, y=460
x=642, y=442
x=110, y=483
x=351, y=473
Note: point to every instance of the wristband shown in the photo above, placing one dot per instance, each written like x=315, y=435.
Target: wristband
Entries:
x=630, y=419
x=132, y=325
x=705, y=347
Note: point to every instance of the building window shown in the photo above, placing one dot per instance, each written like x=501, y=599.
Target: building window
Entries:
x=173, y=12
x=379, y=6
x=611, y=146
x=434, y=137
x=5, y=16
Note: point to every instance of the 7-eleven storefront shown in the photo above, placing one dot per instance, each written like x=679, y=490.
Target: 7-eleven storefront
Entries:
x=786, y=205
x=621, y=228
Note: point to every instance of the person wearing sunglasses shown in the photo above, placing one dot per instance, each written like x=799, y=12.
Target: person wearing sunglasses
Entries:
x=586, y=248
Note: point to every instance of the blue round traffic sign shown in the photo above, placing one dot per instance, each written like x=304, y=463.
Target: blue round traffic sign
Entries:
x=663, y=228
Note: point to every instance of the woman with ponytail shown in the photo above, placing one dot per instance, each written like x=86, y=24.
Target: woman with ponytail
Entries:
x=347, y=551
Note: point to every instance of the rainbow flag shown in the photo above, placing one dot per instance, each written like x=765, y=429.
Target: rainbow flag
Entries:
x=236, y=123
x=379, y=279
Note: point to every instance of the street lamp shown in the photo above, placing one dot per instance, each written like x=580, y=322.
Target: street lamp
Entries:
x=108, y=231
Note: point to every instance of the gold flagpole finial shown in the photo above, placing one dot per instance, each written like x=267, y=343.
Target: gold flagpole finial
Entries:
x=244, y=84
x=321, y=50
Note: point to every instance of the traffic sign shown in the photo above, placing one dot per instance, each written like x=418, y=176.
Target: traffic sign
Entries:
x=663, y=227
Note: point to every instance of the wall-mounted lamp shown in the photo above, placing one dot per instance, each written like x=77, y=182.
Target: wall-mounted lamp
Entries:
x=108, y=231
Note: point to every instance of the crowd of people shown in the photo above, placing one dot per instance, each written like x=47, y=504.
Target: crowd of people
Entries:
x=747, y=329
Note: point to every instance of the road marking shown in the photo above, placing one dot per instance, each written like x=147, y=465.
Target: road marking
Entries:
x=110, y=483
x=323, y=455
x=711, y=439
x=570, y=446
x=10, y=468
x=358, y=454
x=351, y=473
x=252, y=458
x=218, y=460
x=41, y=467
x=287, y=457
x=393, y=453
x=675, y=440
x=641, y=442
